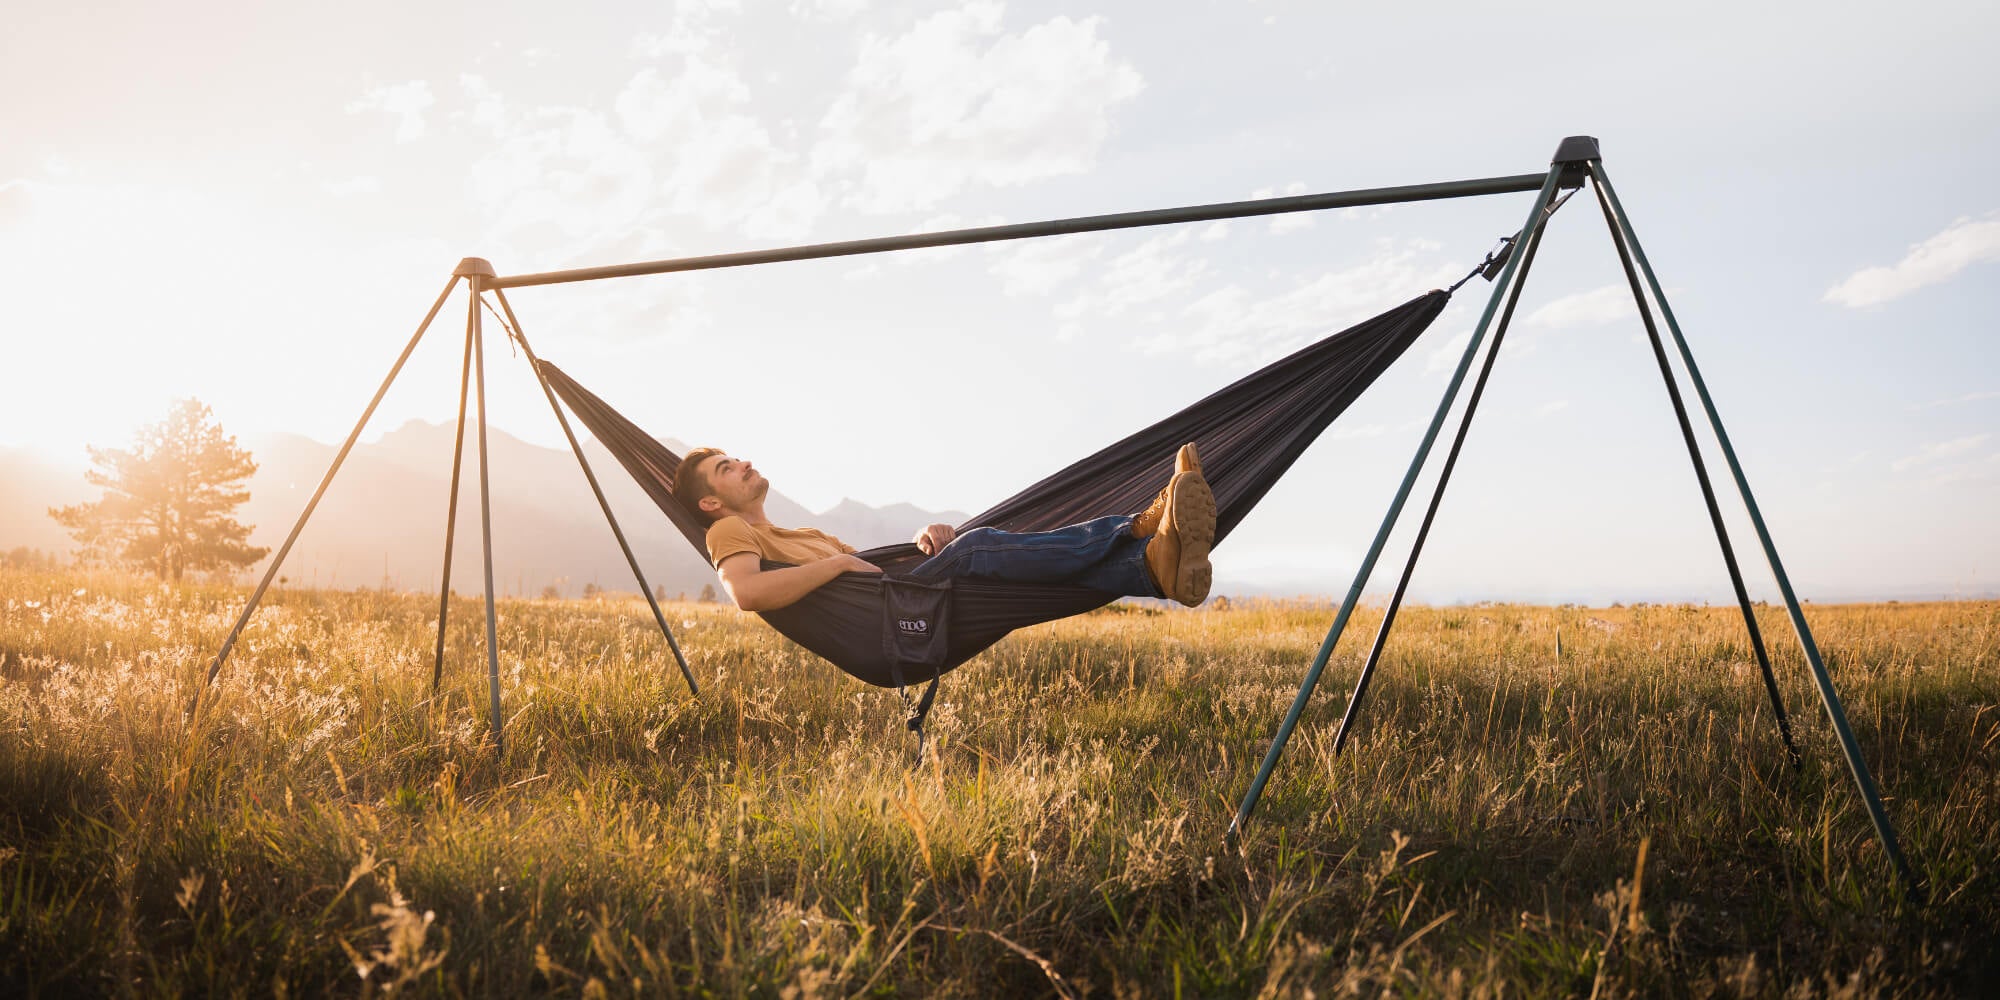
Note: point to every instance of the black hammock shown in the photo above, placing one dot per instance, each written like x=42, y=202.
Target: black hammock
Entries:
x=891, y=628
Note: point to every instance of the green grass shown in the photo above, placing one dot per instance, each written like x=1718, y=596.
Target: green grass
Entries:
x=1482, y=834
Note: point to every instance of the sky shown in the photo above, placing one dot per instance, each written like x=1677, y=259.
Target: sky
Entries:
x=254, y=204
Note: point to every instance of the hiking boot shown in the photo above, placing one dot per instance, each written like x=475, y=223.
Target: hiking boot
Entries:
x=1186, y=460
x=1148, y=520
x=1177, y=555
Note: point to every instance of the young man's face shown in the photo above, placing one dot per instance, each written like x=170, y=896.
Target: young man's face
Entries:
x=734, y=485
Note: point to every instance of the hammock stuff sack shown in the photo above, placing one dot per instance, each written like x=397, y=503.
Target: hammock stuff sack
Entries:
x=893, y=629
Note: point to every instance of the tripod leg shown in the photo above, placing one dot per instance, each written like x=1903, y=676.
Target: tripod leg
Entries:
x=271, y=573
x=1311, y=680
x=1707, y=488
x=605, y=505
x=485, y=511
x=1353, y=711
x=451, y=513
x=1834, y=712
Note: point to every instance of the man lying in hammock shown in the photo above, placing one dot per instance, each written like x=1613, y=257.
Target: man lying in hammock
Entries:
x=1160, y=552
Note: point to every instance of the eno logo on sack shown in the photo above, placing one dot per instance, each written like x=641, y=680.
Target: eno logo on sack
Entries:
x=914, y=626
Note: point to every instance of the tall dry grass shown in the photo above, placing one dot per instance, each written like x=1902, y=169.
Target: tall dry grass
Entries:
x=1539, y=801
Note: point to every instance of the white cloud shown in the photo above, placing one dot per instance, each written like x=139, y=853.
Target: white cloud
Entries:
x=1552, y=407
x=1592, y=308
x=1147, y=274
x=828, y=10
x=1445, y=356
x=1939, y=451
x=956, y=101
x=488, y=108
x=1195, y=305
x=361, y=184
x=688, y=148
x=406, y=102
x=1984, y=469
x=1970, y=397
x=651, y=45
x=953, y=102
x=788, y=210
x=679, y=152
x=1289, y=222
x=1346, y=432
x=677, y=144
x=653, y=106
x=1949, y=463
x=565, y=172
x=1038, y=267
x=1962, y=244
x=1233, y=323
x=692, y=29
x=721, y=163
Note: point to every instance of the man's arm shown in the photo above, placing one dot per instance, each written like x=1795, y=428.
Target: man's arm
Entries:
x=755, y=589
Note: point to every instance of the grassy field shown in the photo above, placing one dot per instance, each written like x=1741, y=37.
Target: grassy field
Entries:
x=1611, y=816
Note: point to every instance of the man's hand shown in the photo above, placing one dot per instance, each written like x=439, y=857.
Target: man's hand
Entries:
x=851, y=563
x=933, y=539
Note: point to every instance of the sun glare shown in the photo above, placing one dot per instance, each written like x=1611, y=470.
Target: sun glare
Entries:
x=144, y=296
x=107, y=334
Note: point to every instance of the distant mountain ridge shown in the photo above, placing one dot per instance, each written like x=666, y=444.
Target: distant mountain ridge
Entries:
x=382, y=520
x=382, y=523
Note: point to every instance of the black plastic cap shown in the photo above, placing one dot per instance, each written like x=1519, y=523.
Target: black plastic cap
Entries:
x=474, y=267
x=1571, y=156
x=1576, y=149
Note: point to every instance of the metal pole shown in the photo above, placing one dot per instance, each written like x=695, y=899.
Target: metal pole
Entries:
x=1848, y=747
x=1354, y=701
x=285, y=549
x=485, y=509
x=1054, y=227
x=451, y=512
x=521, y=337
x=1529, y=230
x=1707, y=488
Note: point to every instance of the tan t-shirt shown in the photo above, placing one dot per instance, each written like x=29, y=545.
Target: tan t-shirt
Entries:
x=733, y=536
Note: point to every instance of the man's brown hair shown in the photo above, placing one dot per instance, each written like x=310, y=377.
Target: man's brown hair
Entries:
x=689, y=483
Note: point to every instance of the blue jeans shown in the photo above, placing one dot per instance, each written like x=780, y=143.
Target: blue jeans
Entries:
x=1100, y=554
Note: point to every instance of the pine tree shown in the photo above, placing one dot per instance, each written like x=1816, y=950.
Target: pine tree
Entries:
x=168, y=500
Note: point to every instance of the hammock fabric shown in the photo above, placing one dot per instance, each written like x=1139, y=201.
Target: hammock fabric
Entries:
x=891, y=628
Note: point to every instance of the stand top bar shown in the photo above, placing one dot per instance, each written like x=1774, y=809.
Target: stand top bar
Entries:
x=1055, y=227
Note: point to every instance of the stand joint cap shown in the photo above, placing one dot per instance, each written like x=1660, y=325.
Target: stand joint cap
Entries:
x=1576, y=149
x=472, y=267
x=1572, y=156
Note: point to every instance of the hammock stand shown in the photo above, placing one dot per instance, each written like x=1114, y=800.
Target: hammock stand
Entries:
x=1576, y=161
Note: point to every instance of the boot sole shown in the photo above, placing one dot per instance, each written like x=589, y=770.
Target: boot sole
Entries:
x=1192, y=510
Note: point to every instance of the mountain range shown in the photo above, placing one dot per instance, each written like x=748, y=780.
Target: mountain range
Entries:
x=382, y=521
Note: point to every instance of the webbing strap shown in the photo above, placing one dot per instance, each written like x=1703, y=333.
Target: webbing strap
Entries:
x=920, y=711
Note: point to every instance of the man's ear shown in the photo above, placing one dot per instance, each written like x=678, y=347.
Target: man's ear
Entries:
x=709, y=504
